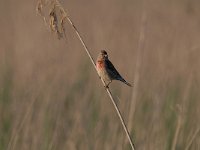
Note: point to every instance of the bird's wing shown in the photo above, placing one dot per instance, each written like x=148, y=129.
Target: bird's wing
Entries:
x=113, y=73
x=111, y=70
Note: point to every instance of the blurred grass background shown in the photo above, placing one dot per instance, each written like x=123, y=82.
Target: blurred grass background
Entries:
x=52, y=99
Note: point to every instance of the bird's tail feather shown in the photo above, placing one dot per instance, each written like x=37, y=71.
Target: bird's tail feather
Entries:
x=121, y=79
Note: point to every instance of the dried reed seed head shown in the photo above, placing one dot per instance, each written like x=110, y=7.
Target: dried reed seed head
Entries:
x=53, y=23
x=62, y=24
x=40, y=5
x=63, y=17
x=53, y=13
x=39, y=8
x=63, y=12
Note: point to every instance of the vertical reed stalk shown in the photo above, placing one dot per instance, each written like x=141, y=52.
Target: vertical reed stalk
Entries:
x=107, y=89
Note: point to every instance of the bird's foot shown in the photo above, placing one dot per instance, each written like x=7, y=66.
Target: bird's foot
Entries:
x=106, y=87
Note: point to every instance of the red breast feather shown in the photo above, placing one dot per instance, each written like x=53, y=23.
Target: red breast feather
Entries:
x=100, y=64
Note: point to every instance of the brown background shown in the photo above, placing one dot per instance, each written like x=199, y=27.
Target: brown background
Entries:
x=51, y=97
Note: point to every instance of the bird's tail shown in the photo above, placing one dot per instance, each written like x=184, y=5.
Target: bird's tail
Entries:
x=121, y=79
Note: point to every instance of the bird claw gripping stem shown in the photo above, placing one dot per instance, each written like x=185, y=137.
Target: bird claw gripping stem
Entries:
x=106, y=87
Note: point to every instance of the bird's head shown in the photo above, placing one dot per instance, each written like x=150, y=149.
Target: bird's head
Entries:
x=103, y=54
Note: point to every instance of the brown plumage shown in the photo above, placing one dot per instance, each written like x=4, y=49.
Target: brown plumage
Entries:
x=106, y=70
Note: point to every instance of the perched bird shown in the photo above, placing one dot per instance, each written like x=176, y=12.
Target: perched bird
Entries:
x=106, y=70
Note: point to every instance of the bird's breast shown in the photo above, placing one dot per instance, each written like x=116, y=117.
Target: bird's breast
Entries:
x=100, y=64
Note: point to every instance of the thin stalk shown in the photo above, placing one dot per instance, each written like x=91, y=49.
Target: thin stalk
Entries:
x=121, y=118
x=178, y=127
x=181, y=112
x=21, y=125
x=192, y=139
x=140, y=50
x=81, y=40
x=107, y=89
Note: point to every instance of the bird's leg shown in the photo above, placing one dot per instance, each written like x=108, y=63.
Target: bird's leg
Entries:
x=107, y=85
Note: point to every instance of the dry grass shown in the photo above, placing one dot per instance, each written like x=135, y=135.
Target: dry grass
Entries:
x=55, y=84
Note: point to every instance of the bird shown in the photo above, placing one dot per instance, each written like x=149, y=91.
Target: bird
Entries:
x=106, y=69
